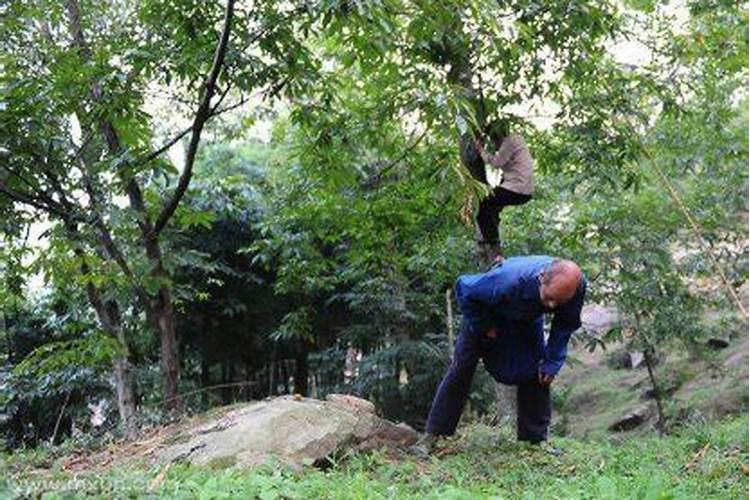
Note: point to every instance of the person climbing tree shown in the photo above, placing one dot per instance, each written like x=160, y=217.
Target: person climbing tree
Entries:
x=513, y=159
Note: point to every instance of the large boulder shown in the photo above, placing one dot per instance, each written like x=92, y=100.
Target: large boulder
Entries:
x=598, y=319
x=621, y=358
x=292, y=429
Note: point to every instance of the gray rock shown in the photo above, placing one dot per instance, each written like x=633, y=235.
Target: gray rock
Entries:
x=631, y=420
x=622, y=359
x=635, y=359
x=717, y=343
x=294, y=430
x=667, y=391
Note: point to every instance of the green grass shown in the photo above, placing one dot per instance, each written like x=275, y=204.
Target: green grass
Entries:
x=697, y=462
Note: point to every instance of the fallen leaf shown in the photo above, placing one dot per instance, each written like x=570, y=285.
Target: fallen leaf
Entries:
x=159, y=478
x=698, y=456
x=445, y=451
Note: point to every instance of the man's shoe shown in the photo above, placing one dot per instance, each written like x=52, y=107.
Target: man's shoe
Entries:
x=424, y=447
x=549, y=449
x=491, y=252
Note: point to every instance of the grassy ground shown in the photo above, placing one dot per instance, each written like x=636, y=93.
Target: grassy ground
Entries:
x=698, y=462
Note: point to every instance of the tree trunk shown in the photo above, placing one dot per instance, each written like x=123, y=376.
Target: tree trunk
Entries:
x=271, y=378
x=107, y=313
x=247, y=390
x=159, y=308
x=648, y=352
x=123, y=372
x=449, y=322
x=161, y=315
x=205, y=381
x=8, y=336
x=285, y=375
x=506, y=401
x=314, y=387
x=224, y=391
x=109, y=318
x=230, y=380
x=648, y=358
x=301, y=372
x=461, y=74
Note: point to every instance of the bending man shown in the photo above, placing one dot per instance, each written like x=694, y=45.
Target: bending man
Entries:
x=502, y=324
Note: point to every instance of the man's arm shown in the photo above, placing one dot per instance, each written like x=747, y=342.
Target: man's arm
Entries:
x=503, y=155
x=566, y=321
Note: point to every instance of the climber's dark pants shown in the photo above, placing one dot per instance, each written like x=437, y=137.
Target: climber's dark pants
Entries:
x=490, y=208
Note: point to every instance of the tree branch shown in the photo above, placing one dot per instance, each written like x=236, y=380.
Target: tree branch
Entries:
x=105, y=235
x=72, y=207
x=174, y=140
x=21, y=177
x=50, y=208
x=375, y=178
x=201, y=116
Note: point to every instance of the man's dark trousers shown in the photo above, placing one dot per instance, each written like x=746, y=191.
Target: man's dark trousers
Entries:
x=490, y=208
x=534, y=404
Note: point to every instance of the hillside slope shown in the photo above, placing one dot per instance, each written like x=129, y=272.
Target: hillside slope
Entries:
x=591, y=395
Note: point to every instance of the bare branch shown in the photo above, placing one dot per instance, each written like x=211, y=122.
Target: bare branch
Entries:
x=105, y=235
x=27, y=199
x=174, y=140
x=276, y=89
x=84, y=144
x=64, y=200
x=232, y=106
x=40, y=198
x=156, y=153
x=21, y=177
x=375, y=178
x=201, y=116
x=398, y=160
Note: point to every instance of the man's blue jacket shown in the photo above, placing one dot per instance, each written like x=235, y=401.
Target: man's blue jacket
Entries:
x=507, y=298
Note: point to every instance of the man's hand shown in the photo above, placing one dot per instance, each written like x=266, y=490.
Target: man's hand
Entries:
x=486, y=157
x=545, y=379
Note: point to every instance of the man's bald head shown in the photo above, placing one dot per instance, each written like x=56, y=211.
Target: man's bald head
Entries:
x=559, y=283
